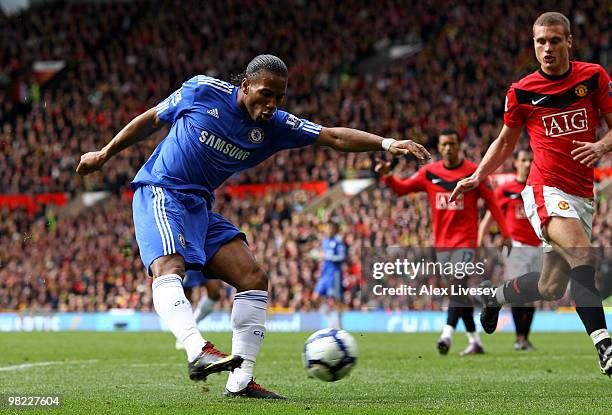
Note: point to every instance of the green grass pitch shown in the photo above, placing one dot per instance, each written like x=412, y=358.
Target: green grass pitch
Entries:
x=108, y=373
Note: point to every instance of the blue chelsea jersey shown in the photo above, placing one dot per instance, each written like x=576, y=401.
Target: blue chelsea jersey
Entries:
x=334, y=253
x=212, y=138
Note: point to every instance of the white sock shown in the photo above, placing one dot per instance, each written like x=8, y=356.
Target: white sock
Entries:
x=499, y=296
x=334, y=320
x=324, y=308
x=248, y=319
x=599, y=335
x=447, y=331
x=204, y=308
x=332, y=315
x=473, y=337
x=175, y=311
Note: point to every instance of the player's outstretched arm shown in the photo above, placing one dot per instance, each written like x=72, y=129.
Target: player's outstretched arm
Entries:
x=498, y=151
x=137, y=130
x=414, y=183
x=351, y=140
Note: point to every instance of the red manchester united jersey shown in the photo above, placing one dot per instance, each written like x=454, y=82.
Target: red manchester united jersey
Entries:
x=455, y=224
x=508, y=195
x=558, y=110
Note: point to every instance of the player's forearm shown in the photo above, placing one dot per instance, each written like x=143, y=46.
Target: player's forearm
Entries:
x=607, y=138
x=484, y=227
x=398, y=186
x=606, y=141
x=351, y=140
x=497, y=153
x=137, y=130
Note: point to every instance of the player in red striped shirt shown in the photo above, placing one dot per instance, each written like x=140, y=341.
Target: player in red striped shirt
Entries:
x=526, y=255
x=455, y=224
x=559, y=104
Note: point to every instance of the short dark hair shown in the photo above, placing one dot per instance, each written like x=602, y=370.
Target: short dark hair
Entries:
x=335, y=224
x=450, y=131
x=553, y=19
x=518, y=151
x=270, y=63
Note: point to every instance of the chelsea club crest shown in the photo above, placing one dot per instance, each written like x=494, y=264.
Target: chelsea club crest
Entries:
x=256, y=135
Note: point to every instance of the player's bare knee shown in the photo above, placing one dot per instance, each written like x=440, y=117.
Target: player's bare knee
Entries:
x=581, y=256
x=552, y=291
x=255, y=279
x=214, y=295
x=169, y=264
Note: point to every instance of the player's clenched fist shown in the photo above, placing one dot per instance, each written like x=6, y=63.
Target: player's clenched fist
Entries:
x=90, y=162
x=407, y=147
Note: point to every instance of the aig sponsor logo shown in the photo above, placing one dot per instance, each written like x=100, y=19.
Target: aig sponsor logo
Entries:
x=519, y=212
x=568, y=122
x=443, y=203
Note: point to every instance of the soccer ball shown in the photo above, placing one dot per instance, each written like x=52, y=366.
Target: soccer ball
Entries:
x=330, y=354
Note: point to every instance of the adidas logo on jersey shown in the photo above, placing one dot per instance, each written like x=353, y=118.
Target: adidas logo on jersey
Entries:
x=214, y=112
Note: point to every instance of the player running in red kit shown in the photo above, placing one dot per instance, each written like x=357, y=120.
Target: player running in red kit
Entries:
x=455, y=224
x=560, y=105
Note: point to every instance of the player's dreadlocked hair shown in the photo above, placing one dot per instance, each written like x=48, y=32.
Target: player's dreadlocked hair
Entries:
x=260, y=63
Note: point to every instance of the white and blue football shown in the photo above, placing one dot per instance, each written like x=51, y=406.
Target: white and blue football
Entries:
x=330, y=354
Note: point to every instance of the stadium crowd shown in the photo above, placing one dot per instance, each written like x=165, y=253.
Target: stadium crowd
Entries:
x=90, y=262
x=135, y=57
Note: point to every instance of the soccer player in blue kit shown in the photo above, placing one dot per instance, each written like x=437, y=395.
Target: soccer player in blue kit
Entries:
x=329, y=285
x=218, y=129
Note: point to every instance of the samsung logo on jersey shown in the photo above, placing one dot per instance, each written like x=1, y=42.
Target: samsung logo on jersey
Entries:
x=223, y=146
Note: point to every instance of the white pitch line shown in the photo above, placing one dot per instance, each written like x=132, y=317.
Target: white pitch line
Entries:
x=151, y=364
x=41, y=364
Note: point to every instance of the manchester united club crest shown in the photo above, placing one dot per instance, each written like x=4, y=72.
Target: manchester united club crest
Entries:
x=581, y=90
x=256, y=135
x=563, y=205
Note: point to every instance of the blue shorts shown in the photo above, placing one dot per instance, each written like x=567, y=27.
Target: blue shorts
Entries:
x=168, y=221
x=194, y=278
x=330, y=285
